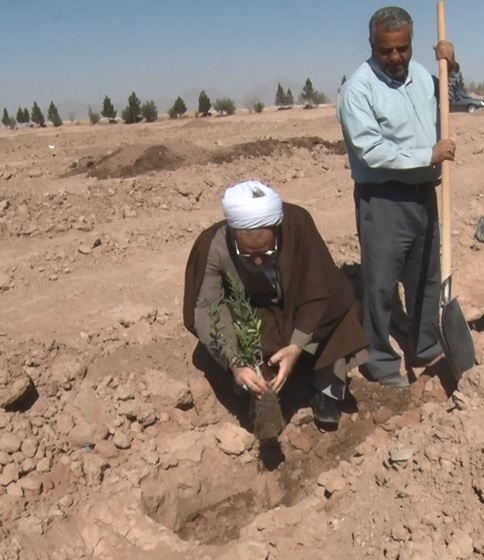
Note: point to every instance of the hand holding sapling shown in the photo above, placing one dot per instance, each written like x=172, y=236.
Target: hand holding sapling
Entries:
x=246, y=358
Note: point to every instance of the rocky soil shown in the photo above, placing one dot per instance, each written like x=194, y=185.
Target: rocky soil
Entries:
x=119, y=439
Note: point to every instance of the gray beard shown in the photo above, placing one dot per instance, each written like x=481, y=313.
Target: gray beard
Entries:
x=268, y=269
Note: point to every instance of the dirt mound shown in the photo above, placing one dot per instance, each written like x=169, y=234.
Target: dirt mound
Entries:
x=135, y=160
x=132, y=161
x=270, y=147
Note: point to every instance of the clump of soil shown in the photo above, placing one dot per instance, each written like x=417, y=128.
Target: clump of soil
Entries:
x=267, y=412
x=269, y=421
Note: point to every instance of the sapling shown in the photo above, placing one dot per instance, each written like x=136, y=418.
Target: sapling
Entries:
x=247, y=351
x=247, y=326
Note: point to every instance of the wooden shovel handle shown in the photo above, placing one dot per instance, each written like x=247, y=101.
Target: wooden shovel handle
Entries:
x=445, y=133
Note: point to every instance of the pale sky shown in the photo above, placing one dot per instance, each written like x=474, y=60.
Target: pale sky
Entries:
x=82, y=50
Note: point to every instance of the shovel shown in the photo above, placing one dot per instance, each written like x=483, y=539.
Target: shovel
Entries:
x=454, y=330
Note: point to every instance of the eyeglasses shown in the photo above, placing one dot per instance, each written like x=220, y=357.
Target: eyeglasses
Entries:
x=263, y=254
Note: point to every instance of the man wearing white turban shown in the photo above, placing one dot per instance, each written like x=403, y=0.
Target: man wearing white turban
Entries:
x=306, y=304
x=252, y=205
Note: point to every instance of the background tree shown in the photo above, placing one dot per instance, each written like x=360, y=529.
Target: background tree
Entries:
x=26, y=116
x=255, y=105
x=131, y=113
x=149, y=111
x=259, y=107
x=20, y=115
x=37, y=116
x=94, y=116
x=53, y=115
x=284, y=100
x=280, y=100
x=204, y=104
x=108, y=111
x=307, y=93
x=474, y=87
x=6, y=118
x=289, y=98
x=178, y=109
x=319, y=97
x=224, y=105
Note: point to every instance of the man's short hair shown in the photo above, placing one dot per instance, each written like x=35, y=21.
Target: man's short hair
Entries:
x=391, y=18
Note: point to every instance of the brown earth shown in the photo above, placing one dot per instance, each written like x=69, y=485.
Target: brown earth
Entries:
x=119, y=439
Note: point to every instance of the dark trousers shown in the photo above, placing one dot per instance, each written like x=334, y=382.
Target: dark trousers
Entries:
x=398, y=230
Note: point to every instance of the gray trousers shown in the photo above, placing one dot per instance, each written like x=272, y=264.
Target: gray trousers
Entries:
x=398, y=230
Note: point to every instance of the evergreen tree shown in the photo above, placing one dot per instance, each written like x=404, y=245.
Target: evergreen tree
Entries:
x=20, y=115
x=149, y=111
x=37, y=116
x=179, y=107
x=26, y=116
x=53, y=115
x=289, y=98
x=308, y=92
x=131, y=113
x=280, y=96
x=204, y=104
x=108, y=109
x=6, y=118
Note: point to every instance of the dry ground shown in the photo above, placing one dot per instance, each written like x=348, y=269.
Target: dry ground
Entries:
x=118, y=439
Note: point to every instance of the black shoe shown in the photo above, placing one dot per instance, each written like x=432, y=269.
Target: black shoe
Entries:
x=394, y=380
x=325, y=409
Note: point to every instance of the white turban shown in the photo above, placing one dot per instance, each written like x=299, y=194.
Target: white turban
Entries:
x=252, y=205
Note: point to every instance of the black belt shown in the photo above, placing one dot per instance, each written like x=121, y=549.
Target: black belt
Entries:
x=420, y=186
x=417, y=187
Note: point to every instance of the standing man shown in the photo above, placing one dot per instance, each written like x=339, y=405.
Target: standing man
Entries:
x=305, y=303
x=388, y=110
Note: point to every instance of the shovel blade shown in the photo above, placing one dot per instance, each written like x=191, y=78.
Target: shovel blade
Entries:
x=457, y=338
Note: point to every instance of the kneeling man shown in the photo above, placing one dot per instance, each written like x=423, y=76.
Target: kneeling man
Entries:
x=305, y=303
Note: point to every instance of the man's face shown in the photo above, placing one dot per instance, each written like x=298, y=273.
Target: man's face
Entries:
x=392, y=50
x=257, y=247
